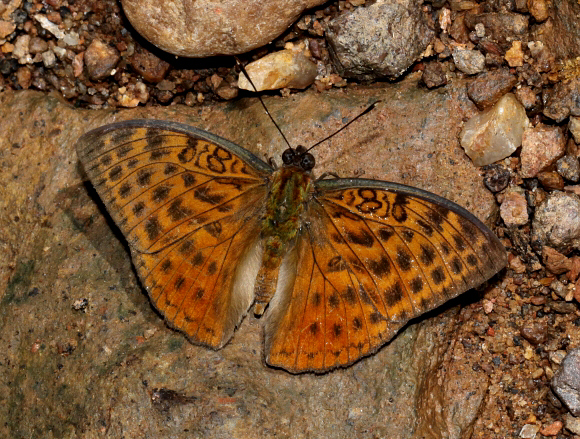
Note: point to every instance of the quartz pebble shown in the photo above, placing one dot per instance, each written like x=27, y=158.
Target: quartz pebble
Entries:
x=495, y=133
x=100, y=59
x=541, y=147
x=283, y=69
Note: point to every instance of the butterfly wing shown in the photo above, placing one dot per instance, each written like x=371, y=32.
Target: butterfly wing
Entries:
x=373, y=255
x=188, y=202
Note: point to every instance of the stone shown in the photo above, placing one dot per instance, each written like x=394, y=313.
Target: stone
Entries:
x=552, y=429
x=560, y=33
x=556, y=222
x=378, y=41
x=574, y=128
x=63, y=245
x=433, y=75
x=536, y=333
x=555, y=261
x=488, y=87
x=21, y=49
x=515, y=55
x=469, y=62
x=6, y=28
x=569, y=168
x=541, y=147
x=551, y=180
x=501, y=27
x=282, y=69
x=496, y=177
x=563, y=100
x=147, y=64
x=203, y=28
x=572, y=423
x=566, y=382
x=100, y=60
x=495, y=133
x=514, y=209
x=529, y=431
x=539, y=9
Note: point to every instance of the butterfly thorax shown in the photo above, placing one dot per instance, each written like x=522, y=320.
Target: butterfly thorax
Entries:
x=290, y=188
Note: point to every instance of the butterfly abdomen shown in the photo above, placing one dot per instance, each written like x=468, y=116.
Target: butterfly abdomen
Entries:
x=289, y=191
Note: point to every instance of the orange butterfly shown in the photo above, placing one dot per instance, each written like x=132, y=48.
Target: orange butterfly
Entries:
x=338, y=265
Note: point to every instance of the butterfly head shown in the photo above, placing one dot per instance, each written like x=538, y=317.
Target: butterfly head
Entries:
x=298, y=157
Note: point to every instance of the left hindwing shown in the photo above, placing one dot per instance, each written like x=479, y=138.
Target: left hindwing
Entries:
x=376, y=255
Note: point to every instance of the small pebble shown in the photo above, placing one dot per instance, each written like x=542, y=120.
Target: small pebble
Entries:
x=496, y=177
x=495, y=133
x=569, y=168
x=100, y=59
x=556, y=222
x=515, y=55
x=563, y=100
x=536, y=333
x=539, y=9
x=514, y=209
x=469, y=62
x=555, y=261
x=527, y=97
x=487, y=88
x=433, y=75
x=551, y=180
x=529, y=431
x=541, y=147
x=553, y=429
x=574, y=127
x=572, y=423
x=282, y=69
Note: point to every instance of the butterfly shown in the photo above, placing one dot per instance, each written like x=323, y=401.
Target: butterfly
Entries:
x=336, y=265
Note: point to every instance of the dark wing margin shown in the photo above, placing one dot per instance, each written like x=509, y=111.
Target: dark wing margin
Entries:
x=373, y=255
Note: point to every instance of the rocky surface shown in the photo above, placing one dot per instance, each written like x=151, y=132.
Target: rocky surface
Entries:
x=80, y=338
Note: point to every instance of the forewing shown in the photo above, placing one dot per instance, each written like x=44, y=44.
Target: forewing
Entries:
x=187, y=202
x=372, y=256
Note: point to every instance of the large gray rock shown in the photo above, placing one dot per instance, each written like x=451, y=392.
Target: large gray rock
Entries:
x=108, y=366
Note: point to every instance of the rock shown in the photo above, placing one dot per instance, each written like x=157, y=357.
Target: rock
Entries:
x=433, y=75
x=203, y=28
x=572, y=423
x=555, y=261
x=6, y=28
x=495, y=133
x=487, y=88
x=63, y=245
x=541, y=147
x=560, y=33
x=282, y=69
x=503, y=28
x=529, y=431
x=21, y=49
x=100, y=60
x=380, y=40
x=514, y=209
x=556, y=222
x=536, y=333
x=574, y=127
x=151, y=67
x=527, y=97
x=539, y=9
x=569, y=168
x=515, y=55
x=551, y=180
x=469, y=62
x=496, y=177
x=553, y=429
x=566, y=382
x=563, y=100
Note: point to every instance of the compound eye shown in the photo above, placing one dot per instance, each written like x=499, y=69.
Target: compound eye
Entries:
x=307, y=162
x=288, y=156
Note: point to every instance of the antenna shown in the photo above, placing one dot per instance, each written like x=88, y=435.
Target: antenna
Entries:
x=369, y=108
x=261, y=101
